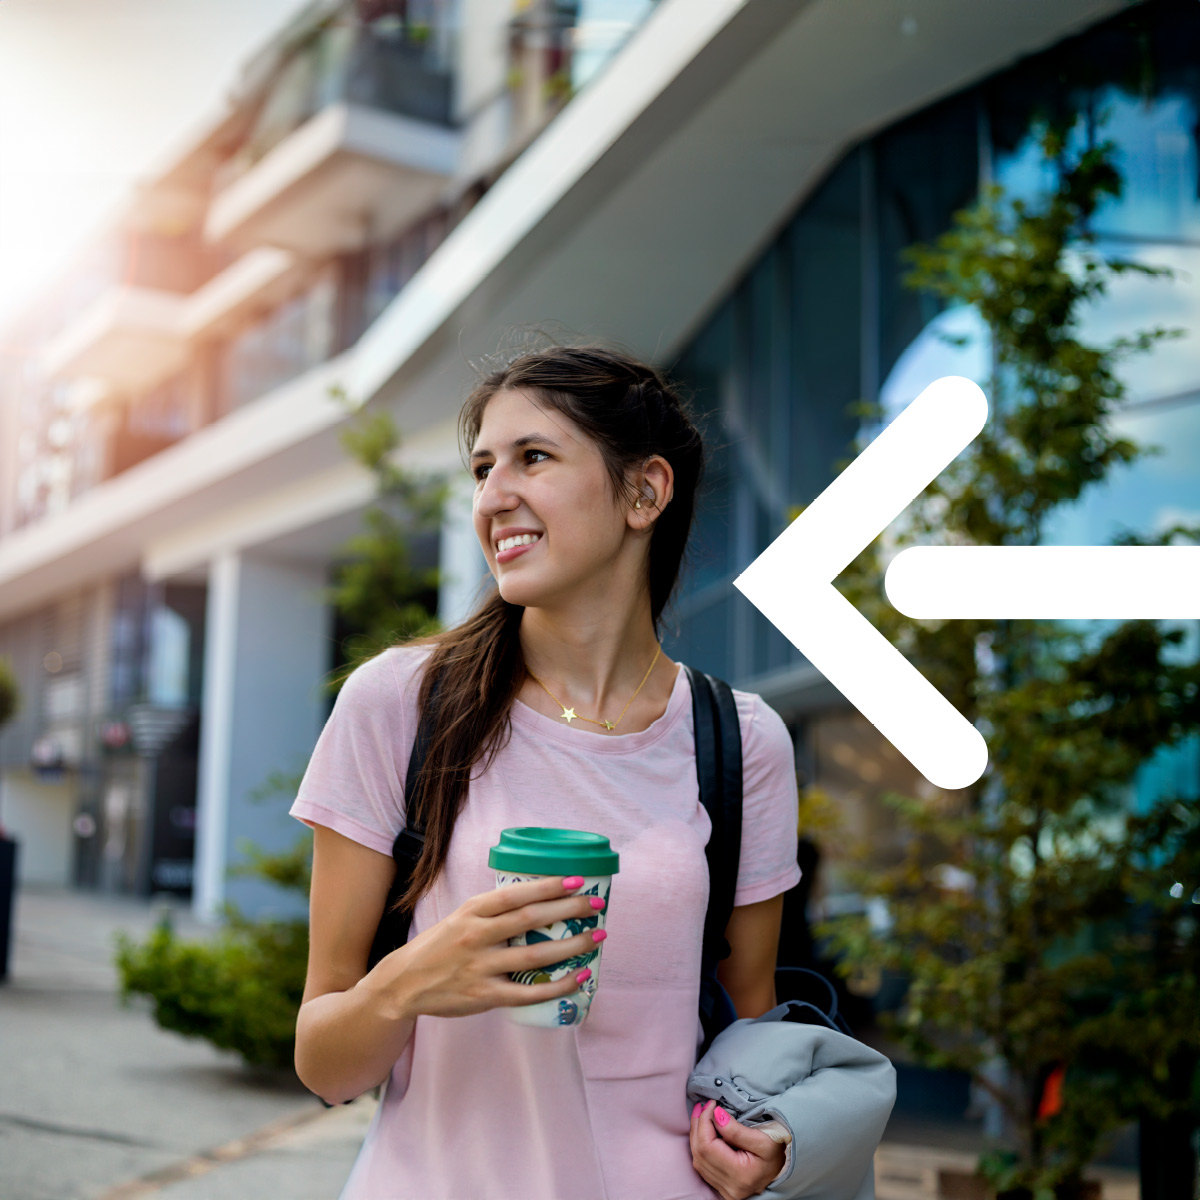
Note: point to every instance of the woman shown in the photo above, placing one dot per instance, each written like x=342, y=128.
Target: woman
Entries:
x=557, y=708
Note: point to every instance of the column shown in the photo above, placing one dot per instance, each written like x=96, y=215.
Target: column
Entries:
x=266, y=655
x=463, y=566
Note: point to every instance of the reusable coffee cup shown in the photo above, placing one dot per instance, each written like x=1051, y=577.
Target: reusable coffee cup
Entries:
x=532, y=852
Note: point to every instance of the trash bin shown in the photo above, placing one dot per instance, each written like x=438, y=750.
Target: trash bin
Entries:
x=8, y=884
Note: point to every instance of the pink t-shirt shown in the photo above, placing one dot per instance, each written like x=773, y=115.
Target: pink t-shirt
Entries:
x=477, y=1107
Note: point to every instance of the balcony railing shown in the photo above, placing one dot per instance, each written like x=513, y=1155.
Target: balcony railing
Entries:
x=402, y=77
x=379, y=65
x=348, y=175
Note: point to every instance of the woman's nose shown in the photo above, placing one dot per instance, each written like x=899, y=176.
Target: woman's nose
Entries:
x=497, y=494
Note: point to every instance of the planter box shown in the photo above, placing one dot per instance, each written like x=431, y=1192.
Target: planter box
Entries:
x=959, y=1185
x=963, y=1185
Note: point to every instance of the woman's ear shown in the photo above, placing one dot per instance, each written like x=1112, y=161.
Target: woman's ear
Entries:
x=659, y=480
x=655, y=486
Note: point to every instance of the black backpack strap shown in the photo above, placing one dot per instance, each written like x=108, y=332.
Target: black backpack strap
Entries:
x=719, y=774
x=410, y=841
x=730, y=733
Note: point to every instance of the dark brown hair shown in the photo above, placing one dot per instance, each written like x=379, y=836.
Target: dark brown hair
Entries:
x=630, y=411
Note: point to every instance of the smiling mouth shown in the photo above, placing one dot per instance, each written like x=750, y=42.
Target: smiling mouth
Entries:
x=509, y=548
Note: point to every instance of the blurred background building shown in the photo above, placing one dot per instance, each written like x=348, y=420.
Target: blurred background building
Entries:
x=722, y=186
x=248, y=269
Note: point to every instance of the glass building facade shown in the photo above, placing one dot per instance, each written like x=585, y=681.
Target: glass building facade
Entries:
x=823, y=321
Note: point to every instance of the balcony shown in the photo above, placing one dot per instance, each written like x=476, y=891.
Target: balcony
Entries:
x=131, y=338
x=258, y=280
x=347, y=175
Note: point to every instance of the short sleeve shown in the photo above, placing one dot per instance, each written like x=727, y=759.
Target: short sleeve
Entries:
x=354, y=783
x=770, y=807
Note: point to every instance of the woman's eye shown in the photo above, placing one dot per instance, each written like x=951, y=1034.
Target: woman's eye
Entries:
x=480, y=472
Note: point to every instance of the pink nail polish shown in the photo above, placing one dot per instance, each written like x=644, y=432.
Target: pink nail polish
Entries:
x=596, y=903
x=720, y=1116
x=583, y=975
x=598, y=935
x=573, y=881
x=695, y=1110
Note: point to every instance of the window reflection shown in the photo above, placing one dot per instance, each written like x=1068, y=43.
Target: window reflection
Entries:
x=1157, y=158
x=1150, y=496
x=779, y=366
x=1137, y=302
x=923, y=170
x=825, y=368
x=955, y=342
x=823, y=319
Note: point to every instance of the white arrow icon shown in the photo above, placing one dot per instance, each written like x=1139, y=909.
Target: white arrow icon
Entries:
x=791, y=583
x=1120, y=583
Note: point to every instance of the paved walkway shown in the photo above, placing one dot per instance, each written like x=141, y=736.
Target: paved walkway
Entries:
x=93, y=1095
x=98, y=1103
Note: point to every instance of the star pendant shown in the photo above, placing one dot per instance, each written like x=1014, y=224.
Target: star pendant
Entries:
x=568, y=715
x=608, y=725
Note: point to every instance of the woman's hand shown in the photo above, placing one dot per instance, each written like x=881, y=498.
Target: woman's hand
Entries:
x=460, y=965
x=734, y=1159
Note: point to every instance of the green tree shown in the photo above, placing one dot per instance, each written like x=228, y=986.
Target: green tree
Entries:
x=377, y=588
x=242, y=988
x=1030, y=912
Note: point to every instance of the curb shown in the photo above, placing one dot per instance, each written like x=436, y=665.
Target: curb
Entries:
x=266, y=1138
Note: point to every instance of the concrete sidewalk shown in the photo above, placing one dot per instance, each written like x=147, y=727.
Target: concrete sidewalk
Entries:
x=98, y=1103
x=93, y=1095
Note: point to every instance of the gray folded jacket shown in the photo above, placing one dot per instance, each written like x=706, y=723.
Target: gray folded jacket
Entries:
x=834, y=1095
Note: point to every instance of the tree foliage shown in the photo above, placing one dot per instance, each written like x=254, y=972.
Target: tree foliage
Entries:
x=377, y=587
x=1041, y=923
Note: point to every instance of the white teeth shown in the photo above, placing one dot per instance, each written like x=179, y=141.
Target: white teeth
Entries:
x=521, y=539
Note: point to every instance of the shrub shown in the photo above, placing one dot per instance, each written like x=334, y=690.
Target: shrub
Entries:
x=240, y=990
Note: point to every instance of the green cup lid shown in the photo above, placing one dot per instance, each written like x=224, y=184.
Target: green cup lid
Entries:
x=533, y=850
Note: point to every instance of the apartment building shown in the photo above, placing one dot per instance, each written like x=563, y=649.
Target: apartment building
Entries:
x=723, y=186
x=246, y=269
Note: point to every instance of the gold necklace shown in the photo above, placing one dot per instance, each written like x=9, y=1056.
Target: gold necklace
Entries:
x=569, y=714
